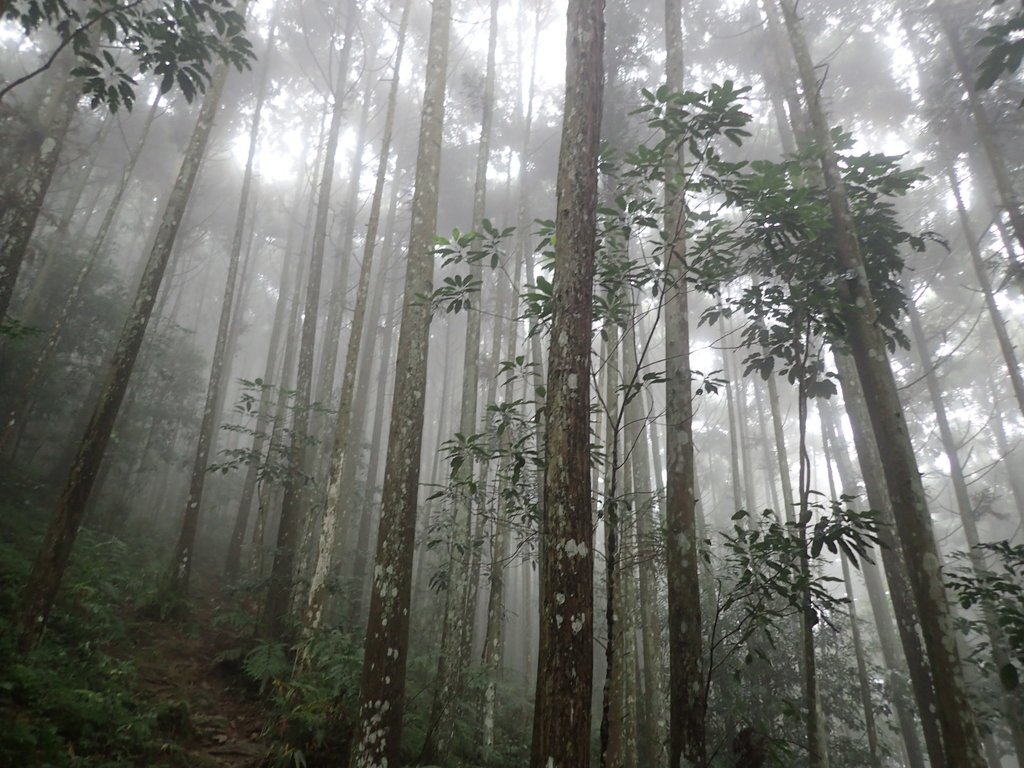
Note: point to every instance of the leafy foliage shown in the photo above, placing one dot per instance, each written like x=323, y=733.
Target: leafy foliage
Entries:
x=1000, y=590
x=1005, y=42
x=114, y=42
x=72, y=700
x=766, y=558
x=752, y=675
x=271, y=462
x=469, y=248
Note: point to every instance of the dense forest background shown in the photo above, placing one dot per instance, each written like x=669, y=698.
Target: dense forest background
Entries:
x=511, y=382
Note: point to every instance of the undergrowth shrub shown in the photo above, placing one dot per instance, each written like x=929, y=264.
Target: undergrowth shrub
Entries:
x=72, y=700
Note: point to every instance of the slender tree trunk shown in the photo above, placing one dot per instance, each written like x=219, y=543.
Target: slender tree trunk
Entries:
x=57, y=545
x=771, y=491
x=458, y=614
x=376, y=451
x=377, y=736
x=780, y=448
x=887, y=636
x=181, y=564
x=279, y=589
x=994, y=313
x=612, y=714
x=33, y=171
x=863, y=678
x=22, y=404
x=734, y=432
x=999, y=431
x=1013, y=711
x=289, y=295
x=1008, y=198
x=561, y=722
x=345, y=452
x=652, y=724
x=913, y=523
x=686, y=680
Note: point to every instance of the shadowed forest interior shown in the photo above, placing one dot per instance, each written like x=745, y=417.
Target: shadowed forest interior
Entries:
x=512, y=383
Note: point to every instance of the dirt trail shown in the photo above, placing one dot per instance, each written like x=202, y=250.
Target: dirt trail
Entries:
x=209, y=717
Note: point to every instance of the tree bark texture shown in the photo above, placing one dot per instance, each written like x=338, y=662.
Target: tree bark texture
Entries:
x=561, y=723
x=377, y=736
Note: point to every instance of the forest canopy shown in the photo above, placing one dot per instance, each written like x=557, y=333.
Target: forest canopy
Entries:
x=504, y=383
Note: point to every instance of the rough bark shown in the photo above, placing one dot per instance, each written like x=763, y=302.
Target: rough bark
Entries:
x=377, y=735
x=561, y=723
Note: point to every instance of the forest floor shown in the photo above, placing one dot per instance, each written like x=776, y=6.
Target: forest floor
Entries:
x=214, y=717
x=113, y=683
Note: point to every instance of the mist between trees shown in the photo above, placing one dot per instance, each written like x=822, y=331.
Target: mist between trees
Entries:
x=506, y=383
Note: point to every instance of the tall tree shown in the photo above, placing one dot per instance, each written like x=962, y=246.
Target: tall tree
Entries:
x=181, y=565
x=457, y=622
x=686, y=682
x=22, y=403
x=56, y=548
x=561, y=720
x=867, y=347
x=343, y=458
x=27, y=182
x=279, y=588
x=377, y=737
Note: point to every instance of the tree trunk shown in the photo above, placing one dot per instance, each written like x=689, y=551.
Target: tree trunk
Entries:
x=1013, y=711
x=894, y=662
x=361, y=557
x=863, y=679
x=22, y=404
x=57, y=545
x=377, y=735
x=289, y=296
x=345, y=452
x=994, y=313
x=32, y=173
x=458, y=614
x=652, y=724
x=913, y=522
x=275, y=614
x=986, y=134
x=181, y=564
x=561, y=722
x=686, y=679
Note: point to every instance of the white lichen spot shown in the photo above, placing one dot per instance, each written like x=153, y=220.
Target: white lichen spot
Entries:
x=560, y=598
x=577, y=623
x=572, y=382
x=572, y=548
